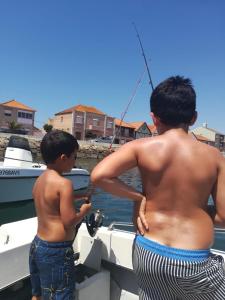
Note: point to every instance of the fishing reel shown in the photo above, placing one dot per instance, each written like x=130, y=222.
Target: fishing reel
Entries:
x=94, y=221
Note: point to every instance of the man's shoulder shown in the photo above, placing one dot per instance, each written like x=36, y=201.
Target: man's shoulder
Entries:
x=154, y=143
x=143, y=141
x=209, y=148
x=210, y=153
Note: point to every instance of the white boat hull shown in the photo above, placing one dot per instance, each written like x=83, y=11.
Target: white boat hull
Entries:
x=16, y=183
x=109, y=254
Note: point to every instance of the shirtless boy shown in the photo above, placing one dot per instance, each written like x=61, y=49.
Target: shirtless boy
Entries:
x=172, y=260
x=51, y=254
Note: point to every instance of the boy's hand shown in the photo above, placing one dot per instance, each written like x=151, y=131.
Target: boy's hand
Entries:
x=85, y=208
x=142, y=224
x=87, y=199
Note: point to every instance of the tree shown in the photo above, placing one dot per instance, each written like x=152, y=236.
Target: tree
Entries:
x=13, y=125
x=47, y=127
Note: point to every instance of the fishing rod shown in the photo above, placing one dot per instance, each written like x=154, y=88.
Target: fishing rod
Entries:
x=143, y=53
x=96, y=219
x=127, y=107
x=132, y=97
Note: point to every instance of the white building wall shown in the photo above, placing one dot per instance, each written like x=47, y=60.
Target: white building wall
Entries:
x=204, y=131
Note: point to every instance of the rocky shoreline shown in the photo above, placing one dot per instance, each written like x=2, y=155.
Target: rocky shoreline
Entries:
x=87, y=149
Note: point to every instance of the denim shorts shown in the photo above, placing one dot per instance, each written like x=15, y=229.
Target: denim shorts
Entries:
x=52, y=269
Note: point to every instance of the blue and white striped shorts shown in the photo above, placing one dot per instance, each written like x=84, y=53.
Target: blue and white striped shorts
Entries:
x=166, y=273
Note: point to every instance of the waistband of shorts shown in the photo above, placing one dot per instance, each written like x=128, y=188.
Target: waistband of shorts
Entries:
x=170, y=252
x=52, y=244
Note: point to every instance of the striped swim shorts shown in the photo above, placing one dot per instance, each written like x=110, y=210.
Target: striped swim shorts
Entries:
x=166, y=273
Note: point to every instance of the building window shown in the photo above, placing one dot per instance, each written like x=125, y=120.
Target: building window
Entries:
x=25, y=115
x=109, y=124
x=28, y=116
x=95, y=122
x=61, y=119
x=122, y=131
x=126, y=133
x=8, y=113
x=79, y=119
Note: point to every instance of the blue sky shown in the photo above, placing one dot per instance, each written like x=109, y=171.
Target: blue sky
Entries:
x=56, y=54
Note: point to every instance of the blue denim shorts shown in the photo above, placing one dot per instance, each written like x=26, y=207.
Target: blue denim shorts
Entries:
x=52, y=269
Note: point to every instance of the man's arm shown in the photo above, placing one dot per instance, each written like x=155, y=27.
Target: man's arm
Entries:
x=105, y=174
x=218, y=195
x=69, y=216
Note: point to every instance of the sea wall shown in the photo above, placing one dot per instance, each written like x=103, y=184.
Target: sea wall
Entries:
x=87, y=149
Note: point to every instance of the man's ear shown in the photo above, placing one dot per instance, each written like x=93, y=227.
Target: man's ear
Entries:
x=194, y=118
x=63, y=157
x=155, y=119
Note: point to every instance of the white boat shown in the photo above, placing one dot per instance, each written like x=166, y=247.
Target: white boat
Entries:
x=18, y=172
x=104, y=267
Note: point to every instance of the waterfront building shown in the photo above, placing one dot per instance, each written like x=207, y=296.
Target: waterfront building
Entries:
x=153, y=129
x=16, y=117
x=84, y=122
x=141, y=130
x=126, y=132
x=202, y=139
x=214, y=137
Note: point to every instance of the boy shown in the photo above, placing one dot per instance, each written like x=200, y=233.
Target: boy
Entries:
x=172, y=260
x=51, y=253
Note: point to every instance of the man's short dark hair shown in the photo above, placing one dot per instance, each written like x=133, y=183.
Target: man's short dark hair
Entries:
x=174, y=101
x=56, y=143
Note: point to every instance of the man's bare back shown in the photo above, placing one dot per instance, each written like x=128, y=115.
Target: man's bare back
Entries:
x=178, y=175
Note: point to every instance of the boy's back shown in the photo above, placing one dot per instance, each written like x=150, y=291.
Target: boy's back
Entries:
x=51, y=258
x=49, y=193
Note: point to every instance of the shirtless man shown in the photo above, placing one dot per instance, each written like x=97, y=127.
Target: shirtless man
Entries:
x=172, y=260
x=51, y=257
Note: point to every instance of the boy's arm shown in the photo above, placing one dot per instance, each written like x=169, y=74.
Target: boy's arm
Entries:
x=69, y=216
x=218, y=195
x=105, y=174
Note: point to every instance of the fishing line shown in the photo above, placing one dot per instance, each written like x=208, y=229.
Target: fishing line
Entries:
x=127, y=107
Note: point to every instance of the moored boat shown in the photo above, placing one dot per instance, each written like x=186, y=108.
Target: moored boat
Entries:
x=18, y=172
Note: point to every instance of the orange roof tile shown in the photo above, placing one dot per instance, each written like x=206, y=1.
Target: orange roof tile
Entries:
x=152, y=128
x=136, y=125
x=17, y=104
x=82, y=108
x=119, y=122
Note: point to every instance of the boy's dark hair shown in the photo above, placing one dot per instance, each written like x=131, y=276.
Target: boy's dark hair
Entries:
x=56, y=143
x=174, y=101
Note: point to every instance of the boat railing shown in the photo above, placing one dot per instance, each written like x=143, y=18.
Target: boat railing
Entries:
x=219, y=230
x=115, y=224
